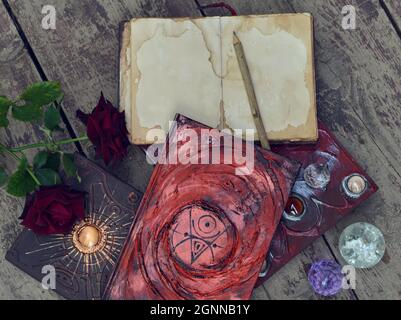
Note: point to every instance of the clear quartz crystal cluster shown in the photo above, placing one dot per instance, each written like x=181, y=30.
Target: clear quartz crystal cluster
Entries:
x=317, y=176
x=362, y=245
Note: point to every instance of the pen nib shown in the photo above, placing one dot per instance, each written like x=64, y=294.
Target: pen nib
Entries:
x=235, y=38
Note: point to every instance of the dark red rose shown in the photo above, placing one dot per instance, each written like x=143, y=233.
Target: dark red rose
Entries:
x=106, y=130
x=53, y=210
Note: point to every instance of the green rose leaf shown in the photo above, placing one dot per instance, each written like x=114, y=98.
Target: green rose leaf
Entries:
x=46, y=159
x=5, y=102
x=47, y=177
x=28, y=112
x=4, y=121
x=42, y=93
x=52, y=118
x=53, y=161
x=40, y=159
x=3, y=177
x=4, y=106
x=68, y=164
x=20, y=182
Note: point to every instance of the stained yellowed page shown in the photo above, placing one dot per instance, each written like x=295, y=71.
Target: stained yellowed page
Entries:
x=279, y=53
x=125, y=73
x=175, y=68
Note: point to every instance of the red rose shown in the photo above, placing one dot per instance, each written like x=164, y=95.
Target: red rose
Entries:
x=53, y=210
x=106, y=130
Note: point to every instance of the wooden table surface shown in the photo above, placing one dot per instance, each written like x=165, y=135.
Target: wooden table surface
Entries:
x=358, y=75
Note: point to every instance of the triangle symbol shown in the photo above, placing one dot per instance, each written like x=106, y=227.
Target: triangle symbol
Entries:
x=198, y=247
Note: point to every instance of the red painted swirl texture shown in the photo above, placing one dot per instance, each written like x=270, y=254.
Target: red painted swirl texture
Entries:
x=202, y=232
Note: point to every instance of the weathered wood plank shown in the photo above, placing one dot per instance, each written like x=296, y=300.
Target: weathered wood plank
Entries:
x=17, y=71
x=393, y=9
x=83, y=54
x=358, y=79
x=291, y=282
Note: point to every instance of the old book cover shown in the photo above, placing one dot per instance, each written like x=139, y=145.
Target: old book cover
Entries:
x=188, y=66
x=205, y=223
x=110, y=207
x=319, y=199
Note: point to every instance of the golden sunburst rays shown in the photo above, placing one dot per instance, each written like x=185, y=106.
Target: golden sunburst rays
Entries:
x=94, y=243
x=88, y=238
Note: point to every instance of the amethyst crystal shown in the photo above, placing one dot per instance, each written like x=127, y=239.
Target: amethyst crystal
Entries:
x=325, y=277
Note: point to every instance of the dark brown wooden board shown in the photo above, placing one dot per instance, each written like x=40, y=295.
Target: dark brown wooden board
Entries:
x=358, y=92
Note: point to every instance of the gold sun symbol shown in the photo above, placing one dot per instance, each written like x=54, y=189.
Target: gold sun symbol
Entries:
x=95, y=243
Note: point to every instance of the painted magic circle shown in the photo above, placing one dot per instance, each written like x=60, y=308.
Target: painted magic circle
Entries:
x=200, y=238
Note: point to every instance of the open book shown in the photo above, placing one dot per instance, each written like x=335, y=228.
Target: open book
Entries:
x=189, y=66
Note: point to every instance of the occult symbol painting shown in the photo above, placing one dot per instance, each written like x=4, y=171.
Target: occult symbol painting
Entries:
x=199, y=238
x=202, y=230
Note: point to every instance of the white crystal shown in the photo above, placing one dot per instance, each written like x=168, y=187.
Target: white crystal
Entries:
x=317, y=175
x=362, y=245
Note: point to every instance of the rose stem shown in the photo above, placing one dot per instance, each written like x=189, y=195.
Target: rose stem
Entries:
x=40, y=145
x=12, y=154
